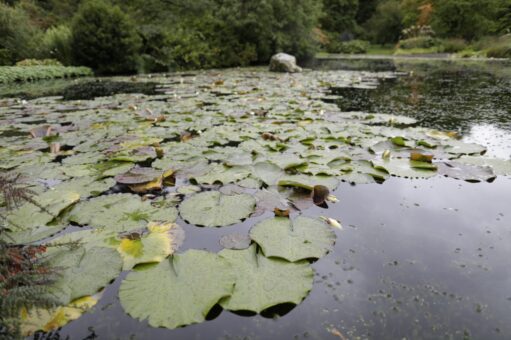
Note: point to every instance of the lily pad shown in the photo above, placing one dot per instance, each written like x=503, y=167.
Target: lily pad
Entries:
x=235, y=241
x=293, y=240
x=406, y=168
x=49, y=206
x=467, y=172
x=120, y=212
x=179, y=291
x=161, y=241
x=214, y=209
x=82, y=272
x=263, y=282
x=219, y=173
x=500, y=166
x=46, y=320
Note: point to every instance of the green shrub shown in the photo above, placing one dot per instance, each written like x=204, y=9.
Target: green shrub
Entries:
x=190, y=49
x=18, y=35
x=454, y=45
x=104, y=38
x=56, y=44
x=418, y=42
x=348, y=47
x=29, y=73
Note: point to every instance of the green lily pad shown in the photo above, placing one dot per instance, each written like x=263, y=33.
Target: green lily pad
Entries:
x=500, y=166
x=86, y=186
x=219, y=173
x=214, y=209
x=405, y=168
x=467, y=172
x=293, y=240
x=179, y=291
x=263, y=282
x=120, y=212
x=49, y=206
x=267, y=172
x=82, y=272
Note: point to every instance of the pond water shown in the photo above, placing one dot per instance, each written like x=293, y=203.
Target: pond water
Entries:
x=416, y=259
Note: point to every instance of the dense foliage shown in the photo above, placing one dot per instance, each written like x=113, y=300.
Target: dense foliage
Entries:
x=104, y=38
x=115, y=36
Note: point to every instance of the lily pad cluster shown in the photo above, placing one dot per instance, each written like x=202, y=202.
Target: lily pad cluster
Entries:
x=114, y=174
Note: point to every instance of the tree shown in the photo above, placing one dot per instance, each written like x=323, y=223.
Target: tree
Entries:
x=465, y=18
x=18, y=35
x=104, y=38
x=260, y=28
x=339, y=15
x=386, y=24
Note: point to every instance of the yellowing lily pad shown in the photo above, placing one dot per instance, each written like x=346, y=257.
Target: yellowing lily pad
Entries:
x=46, y=320
x=161, y=241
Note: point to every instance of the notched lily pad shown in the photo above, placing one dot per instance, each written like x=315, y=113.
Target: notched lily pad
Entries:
x=262, y=282
x=82, y=271
x=214, y=209
x=162, y=240
x=293, y=240
x=178, y=291
x=120, y=212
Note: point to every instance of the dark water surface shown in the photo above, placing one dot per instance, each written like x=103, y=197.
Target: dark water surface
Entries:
x=417, y=259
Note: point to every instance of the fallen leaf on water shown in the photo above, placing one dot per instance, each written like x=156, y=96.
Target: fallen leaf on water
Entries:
x=40, y=131
x=281, y=212
x=420, y=157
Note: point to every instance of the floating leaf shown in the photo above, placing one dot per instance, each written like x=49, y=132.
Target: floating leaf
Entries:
x=405, y=168
x=40, y=131
x=178, y=291
x=120, y=212
x=82, y=272
x=420, y=157
x=235, y=241
x=293, y=240
x=161, y=241
x=500, y=167
x=49, y=206
x=214, y=209
x=262, y=283
x=143, y=179
x=219, y=173
x=466, y=172
x=46, y=320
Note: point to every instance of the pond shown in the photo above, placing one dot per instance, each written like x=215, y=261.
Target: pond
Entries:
x=416, y=258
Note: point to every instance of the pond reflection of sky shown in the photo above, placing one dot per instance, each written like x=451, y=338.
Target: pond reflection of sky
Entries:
x=417, y=259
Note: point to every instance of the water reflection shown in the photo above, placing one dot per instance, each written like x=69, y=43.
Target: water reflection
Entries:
x=496, y=139
x=442, y=96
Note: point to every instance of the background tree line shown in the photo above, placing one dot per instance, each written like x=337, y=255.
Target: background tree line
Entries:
x=123, y=36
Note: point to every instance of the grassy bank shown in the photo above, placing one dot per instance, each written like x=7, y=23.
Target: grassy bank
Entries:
x=29, y=73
